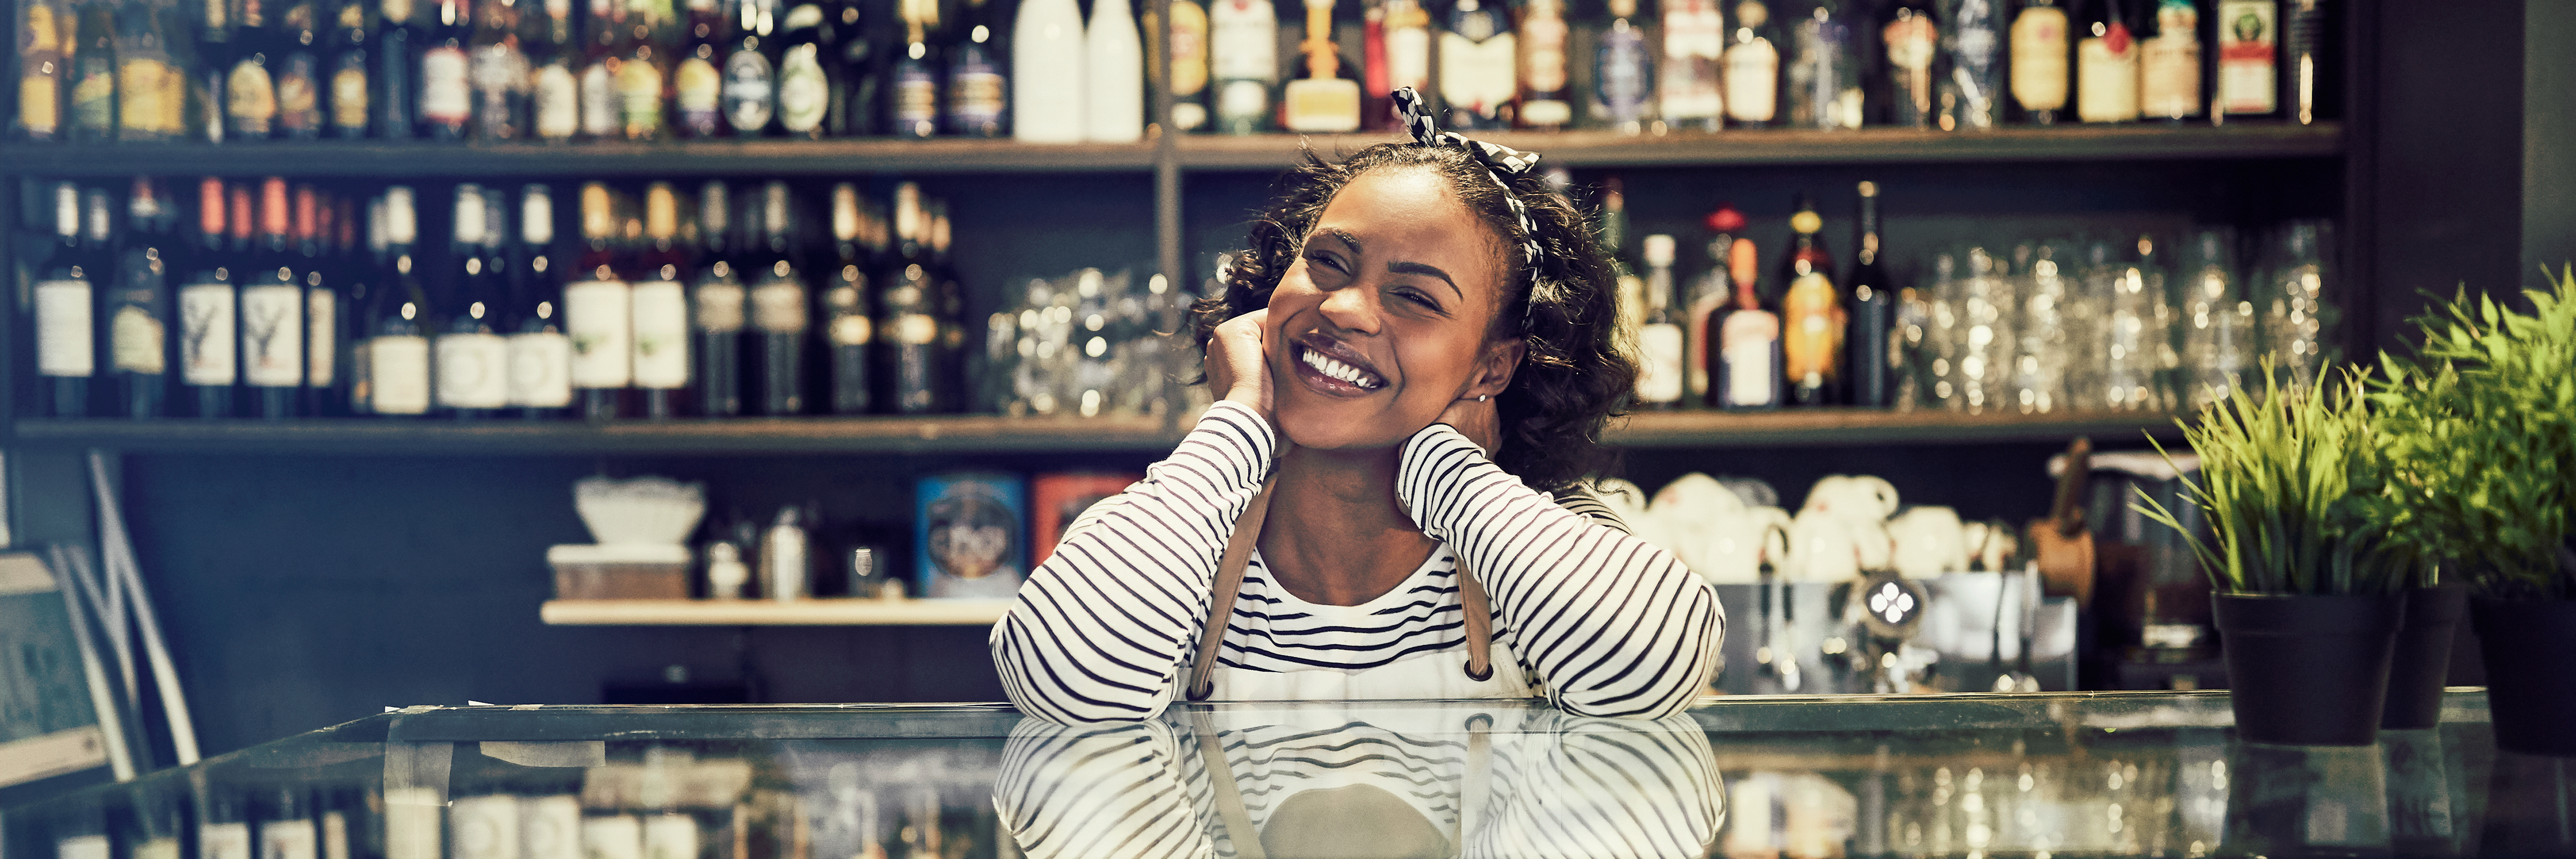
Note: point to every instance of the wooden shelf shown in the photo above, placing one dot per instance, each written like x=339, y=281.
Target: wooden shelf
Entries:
x=818, y=612
x=946, y=434
x=1802, y=427
x=1783, y=146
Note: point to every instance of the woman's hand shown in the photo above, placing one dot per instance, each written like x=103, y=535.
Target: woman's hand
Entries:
x=1478, y=420
x=1238, y=366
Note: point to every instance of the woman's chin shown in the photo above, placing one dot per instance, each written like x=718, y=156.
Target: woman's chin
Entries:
x=1337, y=429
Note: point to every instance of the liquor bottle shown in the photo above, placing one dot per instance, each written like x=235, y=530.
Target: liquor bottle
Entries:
x=397, y=353
x=1812, y=315
x=604, y=39
x=1913, y=40
x=750, y=79
x=1709, y=292
x=1623, y=73
x=469, y=360
x=2305, y=68
x=1691, y=91
x=348, y=83
x=1753, y=66
x=1047, y=64
x=778, y=309
x=1970, y=96
x=138, y=308
x=151, y=92
x=718, y=309
x=1402, y=59
x=1868, y=362
x=539, y=353
x=916, y=109
x=208, y=310
x=93, y=74
x=1745, y=369
x=598, y=313
x=978, y=93
x=1319, y=100
x=1546, y=97
x=1479, y=65
x=2169, y=62
x=2248, y=56
x=446, y=71
x=805, y=85
x=397, y=80
x=949, y=376
x=697, y=83
x=644, y=73
x=1243, y=57
x=1660, y=377
x=250, y=89
x=660, y=303
x=361, y=268
x=297, y=72
x=322, y=322
x=66, y=351
x=498, y=66
x=2039, y=64
x=2106, y=64
x=1189, y=59
x=907, y=314
x=1824, y=74
x=272, y=310
x=863, y=68
x=554, y=77
x=1113, y=80
x=46, y=32
x=1614, y=238
x=849, y=323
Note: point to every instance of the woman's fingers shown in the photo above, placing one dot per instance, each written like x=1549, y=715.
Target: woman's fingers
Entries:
x=1237, y=361
x=1479, y=421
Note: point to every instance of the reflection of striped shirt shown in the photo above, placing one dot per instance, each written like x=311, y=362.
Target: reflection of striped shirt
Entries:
x=1552, y=785
x=1608, y=624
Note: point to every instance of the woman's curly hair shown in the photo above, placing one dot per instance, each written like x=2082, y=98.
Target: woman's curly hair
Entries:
x=1576, y=373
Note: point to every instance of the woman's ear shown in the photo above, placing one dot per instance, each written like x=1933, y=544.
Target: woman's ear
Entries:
x=1495, y=366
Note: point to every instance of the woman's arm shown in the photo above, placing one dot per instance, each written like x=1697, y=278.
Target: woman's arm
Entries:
x=1100, y=629
x=1114, y=791
x=1615, y=626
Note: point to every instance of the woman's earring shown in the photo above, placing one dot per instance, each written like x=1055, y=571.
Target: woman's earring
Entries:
x=1483, y=397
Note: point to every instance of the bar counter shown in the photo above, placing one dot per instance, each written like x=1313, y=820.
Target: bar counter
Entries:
x=1948, y=775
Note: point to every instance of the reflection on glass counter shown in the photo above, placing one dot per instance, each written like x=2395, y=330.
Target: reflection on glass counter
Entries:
x=1916, y=776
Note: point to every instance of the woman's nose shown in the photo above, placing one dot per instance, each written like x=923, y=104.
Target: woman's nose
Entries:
x=1352, y=308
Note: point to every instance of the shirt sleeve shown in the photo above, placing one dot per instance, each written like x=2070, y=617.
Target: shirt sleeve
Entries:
x=1613, y=625
x=1101, y=791
x=1099, y=630
x=1565, y=787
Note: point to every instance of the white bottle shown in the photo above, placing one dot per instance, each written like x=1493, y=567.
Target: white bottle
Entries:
x=1048, y=58
x=1114, y=82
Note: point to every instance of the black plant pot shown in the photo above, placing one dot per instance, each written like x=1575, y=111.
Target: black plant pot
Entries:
x=2308, y=670
x=2531, y=673
x=2423, y=657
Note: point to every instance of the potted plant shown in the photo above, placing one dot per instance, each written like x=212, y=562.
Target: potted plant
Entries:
x=2480, y=425
x=2305, y=592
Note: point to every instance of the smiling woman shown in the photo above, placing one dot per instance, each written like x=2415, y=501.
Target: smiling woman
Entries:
x=1416, y=361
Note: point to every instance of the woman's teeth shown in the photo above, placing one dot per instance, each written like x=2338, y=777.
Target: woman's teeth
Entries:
x=1335, y=369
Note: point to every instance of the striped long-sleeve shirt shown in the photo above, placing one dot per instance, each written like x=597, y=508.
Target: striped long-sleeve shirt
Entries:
x=1607, y=624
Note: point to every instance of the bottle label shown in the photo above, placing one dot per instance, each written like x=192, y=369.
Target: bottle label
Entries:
x=165, y=847
x=250, y=99
x=63, y=329
x=639, y=97
x=1912, y=42
x=2106, y=75
x=661, y=335
x=558, y=102
x=1243, y=41
x=599, y=318
x=1623, y=79
x=136, y=341
x=1243, y=102
x=299, y=106
x=143, y=113
x=94, y=96
x=698, y=91
x=1694, y=44
x=550, y=826
x=40, y=109
x=2246, y=52
x=599, y=101
x=500, y=73
x=1753, y=81
x=915, y=329
x=778, y=307
x=853, y=330
x=540, y=370
x=1814, y=333
x=1748, y=338
x=975, y=95
x=398, y=375
x=321, y=329
x=747, y=91
x=2039, y=58
x=2169, y=65
x=288, y=839
x=1189, y=48
x=1408, y=57
x=473, y=371
x=1543, y=53
x=916, y=100
x=272, y=335
x=1659, y=377
x=802, y=90
x=224, y=841
x=720, y=306
x=446, y=93
x=349, y=99
x=1478, y=77
x=206, y=334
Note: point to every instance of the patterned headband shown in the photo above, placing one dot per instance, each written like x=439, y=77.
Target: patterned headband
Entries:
x=1497, y=160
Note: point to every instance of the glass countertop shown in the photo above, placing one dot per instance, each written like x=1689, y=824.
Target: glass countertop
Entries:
x=1807, y=777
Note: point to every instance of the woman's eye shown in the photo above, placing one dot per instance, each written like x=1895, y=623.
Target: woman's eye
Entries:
x=1326, y=260
x=1419, y=298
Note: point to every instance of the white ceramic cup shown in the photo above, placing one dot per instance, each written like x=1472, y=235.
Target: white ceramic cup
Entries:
x=1853, y=496
x=1928, y=541
x=1737, y=544
x=1823, y=548
x=1686, y=514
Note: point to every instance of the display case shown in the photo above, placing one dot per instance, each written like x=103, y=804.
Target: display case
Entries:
x=1963, y=775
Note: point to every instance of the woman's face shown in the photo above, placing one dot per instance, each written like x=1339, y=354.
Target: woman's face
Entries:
x=1382, y=321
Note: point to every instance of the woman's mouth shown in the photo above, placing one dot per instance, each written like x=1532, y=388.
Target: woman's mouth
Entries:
x=1340, y=374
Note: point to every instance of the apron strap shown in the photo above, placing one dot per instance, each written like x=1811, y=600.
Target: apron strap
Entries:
x=1480, y=623
x=1229, y=796
x=1471, y=790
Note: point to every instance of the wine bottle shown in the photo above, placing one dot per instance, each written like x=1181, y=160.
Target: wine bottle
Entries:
x=1824, y=76
x=498, y=66
x=1868, y=361
x=398, y=354
x=322, y=322
x=949, y=299
x=1691, y=91
x=1189, y=58
x=604, y=39
x=397, y=84
x=1546, y=97
x=1403, y=61
x=1623, y=73
x=599, y=314
x=916, y=74
x=1746, y=367
x=93, y=75
x=778, y=309
x=2106, y=64
x=138, y=308
x=2248, y=53
x=66, y=351
x=1709, y=292
x=298, y=72
x=804, y=84
x=1660, y=380
x=2306, y=71
x=46, y=34
x=1243, y=57
x=1753, y=66
x=861, y=57
x=1047, y=65
x=907, y=314
x=469, y=361
x=697, y=83
x=660, y=304
x=718, y=308
x=272, y=310
x=1913, y=40
x=1614, y=238
x=1968, y=98
x=750, y=80
x=209, y=308
x=849, y=323
x=151, y=91
x=1319, y=100
x=2039, y=60
x=348, y=71
x=250, y=90
x=1113, y=78
x=1812, y=315
x=554, y=77
x=2169, y=62
x=644, y=74
x=1479, y=65
x=540, y=355
x=978, y=93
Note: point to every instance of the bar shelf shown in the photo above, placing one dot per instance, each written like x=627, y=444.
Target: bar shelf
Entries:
x=813, y=612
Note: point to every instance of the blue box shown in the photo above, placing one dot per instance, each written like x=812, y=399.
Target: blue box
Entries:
x=970, y=533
